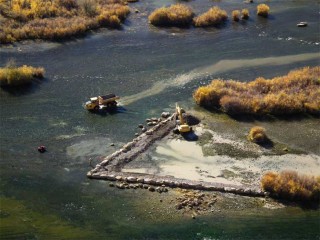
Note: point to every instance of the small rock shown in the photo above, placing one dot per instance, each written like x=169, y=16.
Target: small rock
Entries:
x=145, y=186
x=165, y=114
x=144, y=129
x=148, y=120
x=151, y=189
x=140, y=126
x=285, y=149
x=136, y=134
x=118, y=178
x=131, y=179
x=160, y=200
x=150, y=124
x=136, y=11
x=111, y=184
x=112, y=144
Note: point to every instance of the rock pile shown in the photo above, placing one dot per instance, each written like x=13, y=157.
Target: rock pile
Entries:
x=195, y=200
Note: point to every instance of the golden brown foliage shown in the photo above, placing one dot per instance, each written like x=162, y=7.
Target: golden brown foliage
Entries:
x=257, y=135
x=15, y=76
x=57, y=19
x=236, y=15
x=175, y=15
x=263, y=10
x=297, y=92
x=245, y=13
x=292, y=186
x=213, y=17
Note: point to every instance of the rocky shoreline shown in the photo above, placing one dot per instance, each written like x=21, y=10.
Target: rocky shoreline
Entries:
x=110, y=168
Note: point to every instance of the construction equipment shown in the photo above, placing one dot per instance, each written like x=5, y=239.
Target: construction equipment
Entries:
x=183, y=127
x=100, y=102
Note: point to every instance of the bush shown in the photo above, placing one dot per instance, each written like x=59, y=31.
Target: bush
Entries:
x=236, y=15
x=58, y=19
x=292, y=186
x=16, y=76
x=175, y=15
x=295, y=93
x=245, y=13
x=263, y=10
x=213, y=17
x=257, y=135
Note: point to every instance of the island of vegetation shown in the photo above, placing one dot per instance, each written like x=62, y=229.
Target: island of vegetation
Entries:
x=292, y=186
x=214, y=16
x=17, y=76
x=57, y=19
x=295, y=93
x=263, y=10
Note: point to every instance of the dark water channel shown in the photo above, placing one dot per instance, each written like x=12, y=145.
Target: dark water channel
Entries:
x=47, y=196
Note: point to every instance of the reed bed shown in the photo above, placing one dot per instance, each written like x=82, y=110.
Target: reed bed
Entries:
x=295, y=93
x=213, y=17
x=17, y=76
x=178, y=15
x=292, y=186
x=57, y=19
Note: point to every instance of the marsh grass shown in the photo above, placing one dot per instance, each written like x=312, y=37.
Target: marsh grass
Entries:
x=295, y=93
x=178, y=15
x=263, y=10
x=258, y=135
x=213, y=17
x=292, y=186
x=57, y=19
x=235, y=15
x=17, y=76
x=245, y=14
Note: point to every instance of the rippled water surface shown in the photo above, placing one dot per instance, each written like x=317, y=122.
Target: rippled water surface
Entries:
x=47, y=196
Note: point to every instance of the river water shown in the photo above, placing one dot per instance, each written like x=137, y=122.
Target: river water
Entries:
x=47, y=196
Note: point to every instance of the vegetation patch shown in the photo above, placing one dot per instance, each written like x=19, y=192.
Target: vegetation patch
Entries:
x=17, y=76
x=295, y=93
x=57, y=19
x=213, y=17
x=257, y=135
x=263, y=10
x=292, y=186
x=178, y=15
x=245, y=14
x=236, y=15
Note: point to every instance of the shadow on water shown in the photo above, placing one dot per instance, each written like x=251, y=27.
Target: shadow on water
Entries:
x=109, y=111
x=24, y=89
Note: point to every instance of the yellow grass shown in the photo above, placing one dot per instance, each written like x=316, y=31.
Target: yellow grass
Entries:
x=245, y=13
x=175, y=15
x=15, y=76
x=235, y=15
x=292, y=186
x=57, y=19
x=213, y=17
x=257, y=135
x=263, y=10
x=295, y=93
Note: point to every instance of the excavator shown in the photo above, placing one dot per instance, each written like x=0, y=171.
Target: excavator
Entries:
x=183, y=127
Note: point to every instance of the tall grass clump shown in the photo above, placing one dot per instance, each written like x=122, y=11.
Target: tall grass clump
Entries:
x=258, y=135
x=292, y=186
x=57, y=19
x=178, y=15
x=245, y=14
x=17, y=76
x=295, y=93
x=263, y=10
x=235, y=15
x=213, y=17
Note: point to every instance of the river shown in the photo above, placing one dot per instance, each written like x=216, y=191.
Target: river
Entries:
x=47, y=196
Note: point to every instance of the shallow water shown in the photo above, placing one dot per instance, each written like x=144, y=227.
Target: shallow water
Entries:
x=151, y=69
